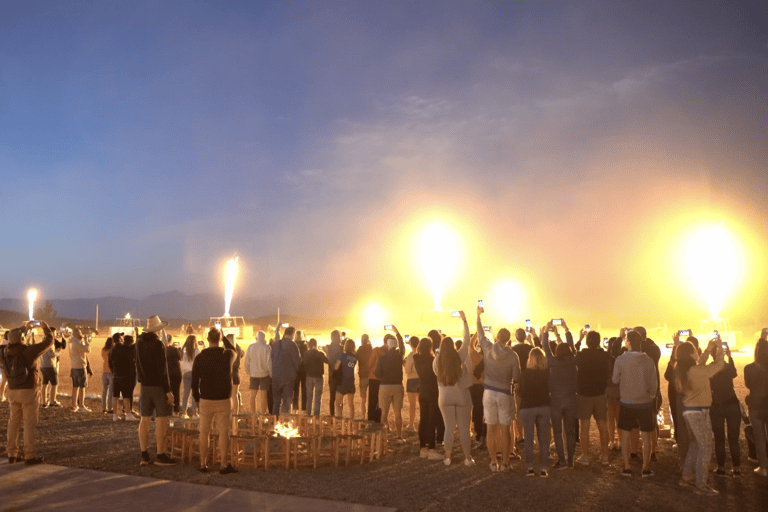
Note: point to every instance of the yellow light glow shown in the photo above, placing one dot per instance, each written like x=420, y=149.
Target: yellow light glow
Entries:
x=507, y=300
x=31, y=296
x=127, y=316
x=373, y=317
x=439, y=258
x=229, y=284
x=713, y=262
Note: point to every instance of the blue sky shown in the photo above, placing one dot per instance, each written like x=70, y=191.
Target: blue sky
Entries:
x=141, y=143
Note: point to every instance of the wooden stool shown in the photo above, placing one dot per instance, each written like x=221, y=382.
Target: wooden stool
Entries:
x=372, y=442
x=327, y=448
x=352, y=447
x=242, y=423
x=262, y=424
x=302, y=451
x=245, y=450
x=277, y=451
x=175, y=442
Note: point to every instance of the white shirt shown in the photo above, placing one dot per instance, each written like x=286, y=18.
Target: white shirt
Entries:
x=258, y=360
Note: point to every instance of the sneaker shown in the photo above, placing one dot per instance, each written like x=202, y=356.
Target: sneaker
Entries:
x=582, y=459
x=423, y=453
x=203, y=469
x=685, y=483
x=626, y=472
x=543, y=473
x=647, y=473
x=44, y=405
x=494, y=467
x=115, y=417
x=447, y=461
x=130, y=417
x=520, y=440
x=761, y=471
x=503, y=468
x=54, y=404
x=560, y=464
x=705, y=490
x=530, y=472
x=753, y=460
x=33, y=461
x=83, y=408
x=227, y=470
x=736, y=472
x=720, y=472
x=481, y=444
x=165, y=460
x=469, y=462
x=514, y=456
x=434, y=455
x=145, y=460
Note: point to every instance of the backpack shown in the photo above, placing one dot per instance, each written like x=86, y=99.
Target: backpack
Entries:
x=16, y=370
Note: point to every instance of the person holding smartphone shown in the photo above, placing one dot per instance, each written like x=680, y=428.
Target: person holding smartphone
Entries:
x=726, y=410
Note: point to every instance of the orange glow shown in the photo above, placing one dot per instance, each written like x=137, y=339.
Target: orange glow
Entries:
x=31, y=296
x=508, y=299
x=229, y=285
x=373, y=317
x=439, y=258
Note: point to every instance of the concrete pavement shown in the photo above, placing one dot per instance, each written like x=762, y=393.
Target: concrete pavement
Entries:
x=59, y=488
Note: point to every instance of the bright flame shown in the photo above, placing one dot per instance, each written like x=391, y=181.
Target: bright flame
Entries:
x=713, y=262
x=286, y=430
x=373, y=316
x=439, y=258
x=32, y=295
x=229, y=285
x=127, y=316
x=507, y=299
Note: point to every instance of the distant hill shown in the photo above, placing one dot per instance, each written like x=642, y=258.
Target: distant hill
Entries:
x=176, y=305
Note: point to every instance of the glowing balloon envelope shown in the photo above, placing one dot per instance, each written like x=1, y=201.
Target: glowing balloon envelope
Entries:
x=712, y=262
x=439, y=258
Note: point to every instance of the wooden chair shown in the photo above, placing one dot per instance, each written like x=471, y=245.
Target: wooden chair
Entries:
x=246, y=450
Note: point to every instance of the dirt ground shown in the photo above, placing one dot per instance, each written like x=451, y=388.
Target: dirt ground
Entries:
x=401, y=479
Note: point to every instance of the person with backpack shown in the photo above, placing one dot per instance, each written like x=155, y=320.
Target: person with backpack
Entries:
x=19, y=362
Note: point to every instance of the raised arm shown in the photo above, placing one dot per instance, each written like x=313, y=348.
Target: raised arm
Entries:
x=464, y=351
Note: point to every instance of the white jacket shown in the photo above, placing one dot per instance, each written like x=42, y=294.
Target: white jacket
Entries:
x=258, y=357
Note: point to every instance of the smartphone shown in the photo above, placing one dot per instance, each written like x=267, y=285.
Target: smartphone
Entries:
x=487, y=328
x=406, y=337
x=480, y=305
x=717, y=334
x=586, y=327
x=725, y=345
x=684, y=332
x=605, y=342
x=455, y=314
x=284, y=324
x=557, y=321
x=388, y=327
x=528, y=325
x=36, y=323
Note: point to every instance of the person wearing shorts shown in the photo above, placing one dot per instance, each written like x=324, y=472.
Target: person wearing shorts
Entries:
x=155, y=396
x=502, y=368
x=412, y=384
x=79, y=347
x=635, y=373
x=347, y=362
x=122, y=359
x=593, y=364
x=258, y=366
x=389, y=369
x=49, y=369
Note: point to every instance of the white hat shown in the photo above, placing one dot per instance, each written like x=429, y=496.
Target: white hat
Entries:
x=154, y=324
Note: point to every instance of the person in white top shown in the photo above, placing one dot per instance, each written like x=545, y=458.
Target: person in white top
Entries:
x=258, y=365
x=412, y=385
x=188, y=354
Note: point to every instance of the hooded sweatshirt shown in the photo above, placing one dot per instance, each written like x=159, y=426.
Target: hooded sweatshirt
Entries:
x=29, y=354
x=502, y=365
x=258, y=357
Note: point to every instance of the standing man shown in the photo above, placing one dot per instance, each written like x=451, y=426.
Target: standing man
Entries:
x=212, y=391
x=333, y=351
x=389, y=370
x=258, y=366
x=49, y=369
x=502, y=368
x=285, y=366
x=635, y=374
x=155, y=396
x=19, y=363
x=79, y=347
x=363, y=371
x=593, y=365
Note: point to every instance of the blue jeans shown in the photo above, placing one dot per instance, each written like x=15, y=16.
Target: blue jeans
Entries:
x=759, y=424
x=185, y=397
x=282, y=393
x=314, y=392
x=107, y=390
x=538, y=417
x=564, y=411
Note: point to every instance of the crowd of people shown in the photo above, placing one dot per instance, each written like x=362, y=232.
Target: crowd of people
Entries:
x=516, y=390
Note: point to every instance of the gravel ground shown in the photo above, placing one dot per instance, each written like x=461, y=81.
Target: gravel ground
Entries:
x=401, y=479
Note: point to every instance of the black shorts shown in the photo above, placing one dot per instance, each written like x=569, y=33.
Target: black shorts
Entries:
x=123, y=386
x=50, y=376
x=642, y=417
x=262, y=383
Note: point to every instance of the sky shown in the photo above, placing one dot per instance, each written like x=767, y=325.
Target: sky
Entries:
x=571, y=146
